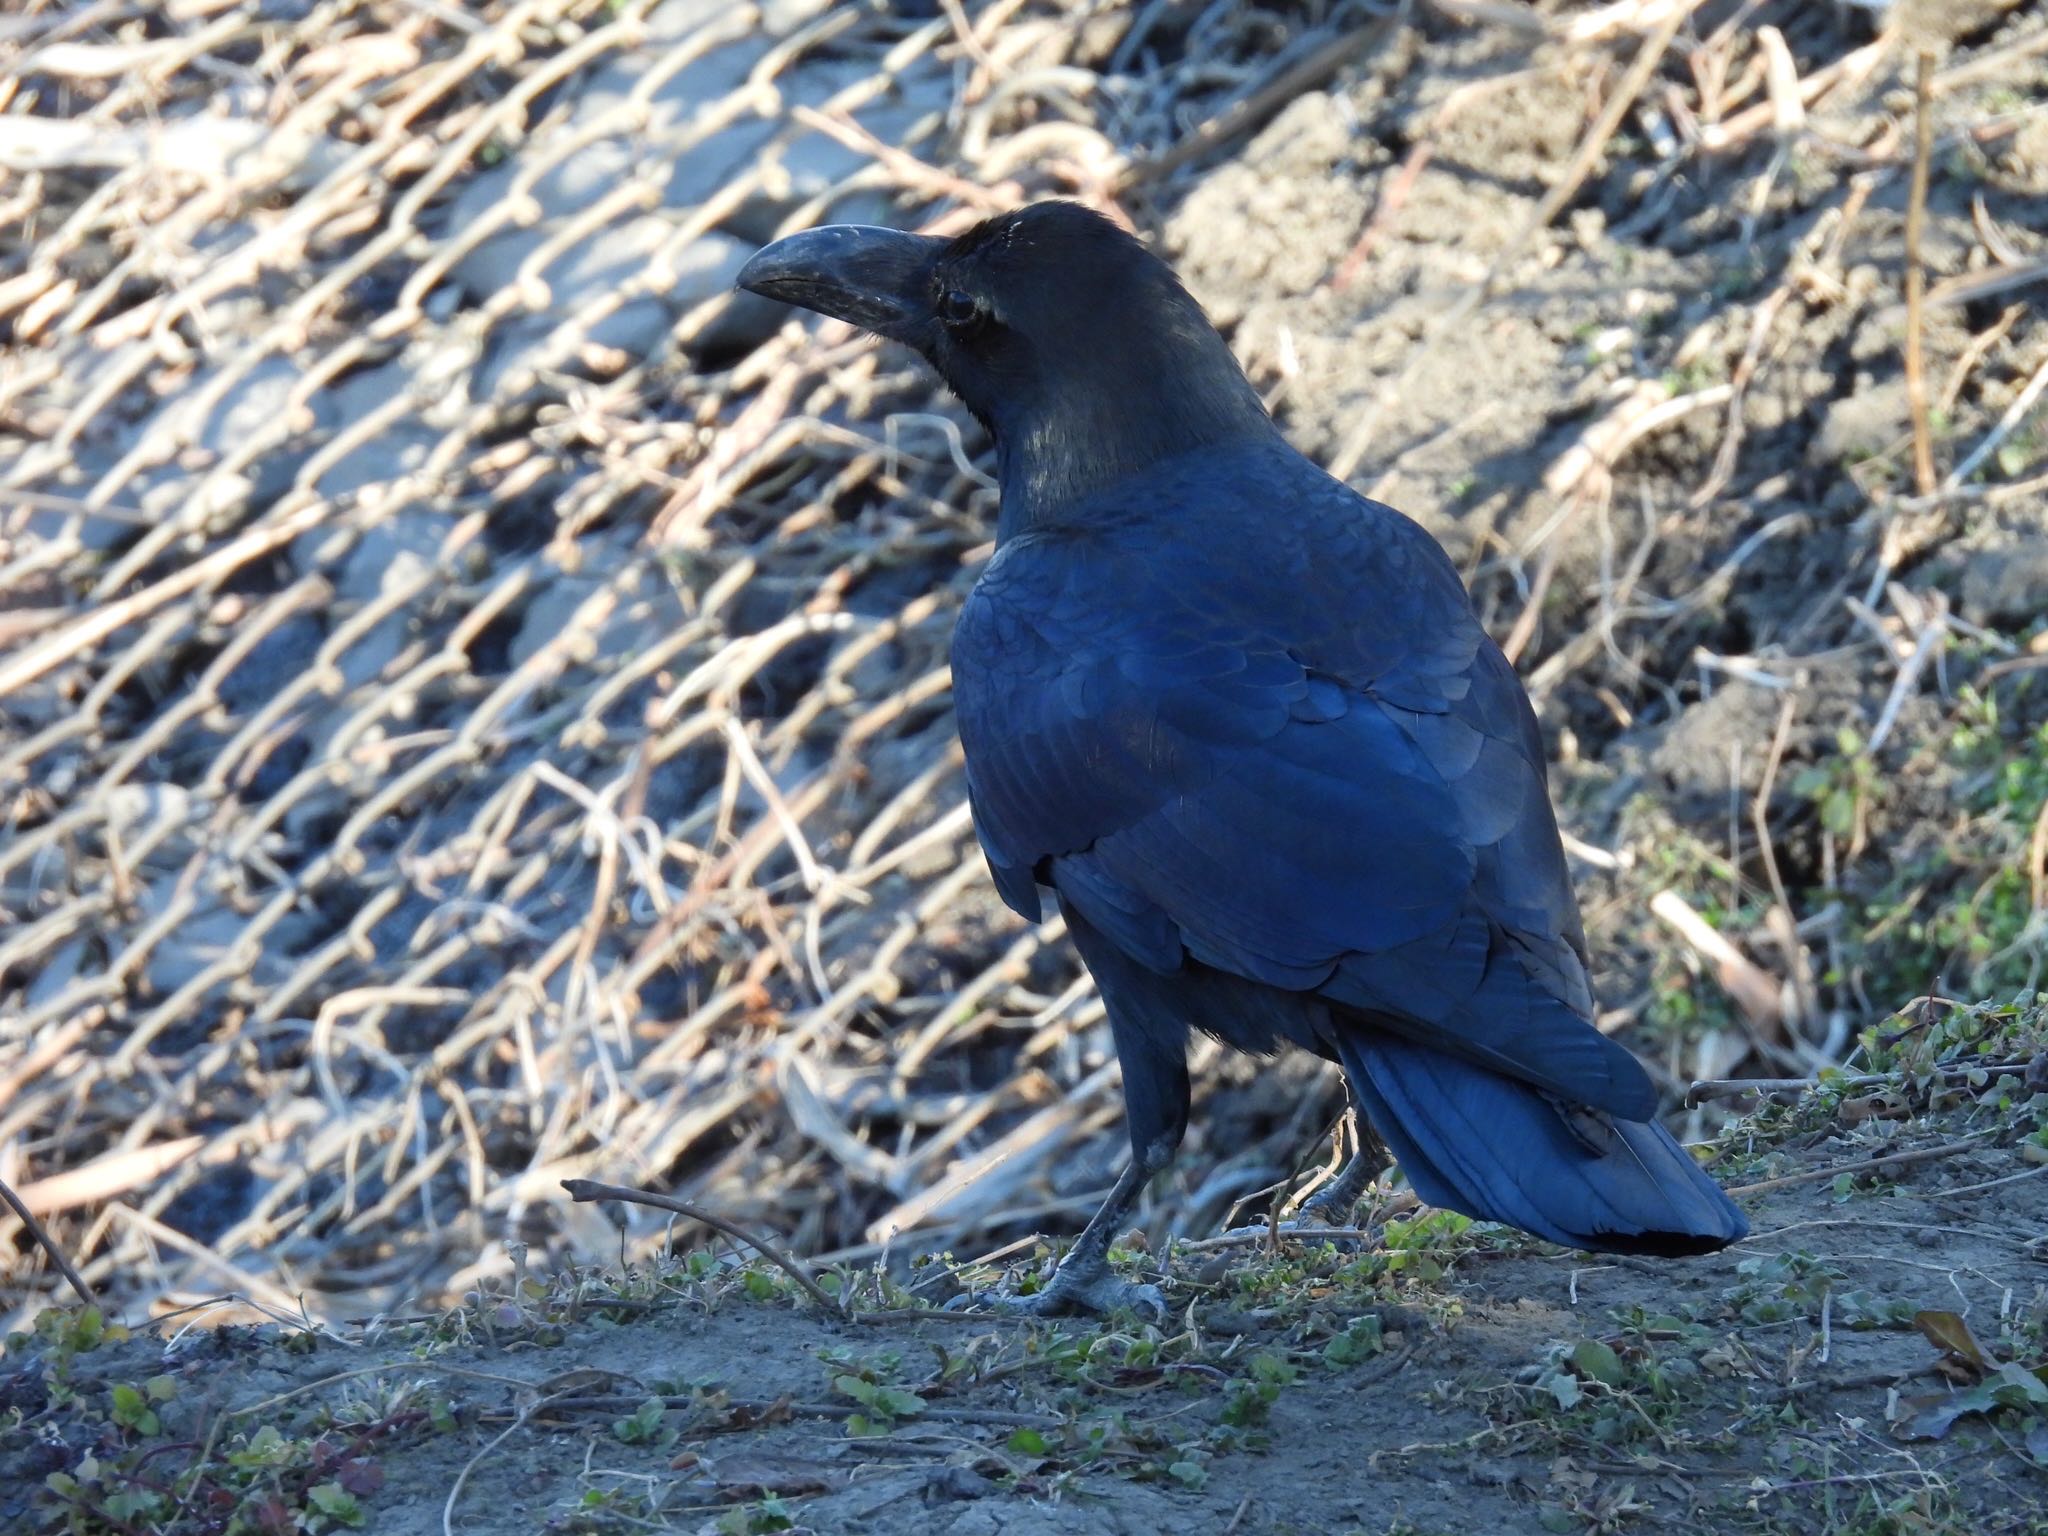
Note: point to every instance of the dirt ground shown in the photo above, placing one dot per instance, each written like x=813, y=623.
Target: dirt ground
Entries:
x=473, y=713
x=1849, y=1368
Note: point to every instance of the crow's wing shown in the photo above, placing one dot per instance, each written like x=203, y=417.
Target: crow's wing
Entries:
x=1306, y=766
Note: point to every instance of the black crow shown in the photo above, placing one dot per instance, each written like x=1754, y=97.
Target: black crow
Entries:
x=1243, y=723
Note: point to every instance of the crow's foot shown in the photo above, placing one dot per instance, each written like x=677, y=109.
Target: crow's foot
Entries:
x=1069, y=1291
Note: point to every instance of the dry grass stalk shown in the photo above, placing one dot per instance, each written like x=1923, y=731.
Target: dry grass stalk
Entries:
x=1916, y=274
x=1886, y=1163
x=1753, y=990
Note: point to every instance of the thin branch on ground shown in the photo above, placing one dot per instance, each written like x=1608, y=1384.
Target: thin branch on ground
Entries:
x=1868, y=1165
x=44, y=1241
x=1916, y=274
x=582, y=1190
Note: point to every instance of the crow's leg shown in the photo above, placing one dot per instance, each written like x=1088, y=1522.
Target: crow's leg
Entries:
x=1083, y=1281
x=1151, y=1043
x=1334, y=1204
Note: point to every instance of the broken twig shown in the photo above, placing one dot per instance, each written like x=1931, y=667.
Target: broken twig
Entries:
x=582, y=1190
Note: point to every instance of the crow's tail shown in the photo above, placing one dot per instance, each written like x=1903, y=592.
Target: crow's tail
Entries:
x=1474, y=1141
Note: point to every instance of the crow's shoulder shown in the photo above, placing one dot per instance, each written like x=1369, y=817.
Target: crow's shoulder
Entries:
x=1250, y=552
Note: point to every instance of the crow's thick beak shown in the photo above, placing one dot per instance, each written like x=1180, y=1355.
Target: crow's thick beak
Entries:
x=878, y=279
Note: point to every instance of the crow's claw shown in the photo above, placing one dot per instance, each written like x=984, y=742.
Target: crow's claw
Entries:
x=1101, y=1293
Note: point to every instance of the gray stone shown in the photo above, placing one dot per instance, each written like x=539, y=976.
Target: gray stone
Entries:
x=646, y=609
x=219, y=495
x=699, y=169
x=705, y=269
x=133, y=808
x=799, y=165
x=548, y=615
x=634, y=328
x=674, y=20
x=640, y=255
x=56, y=974
x=272, y=664
x=253, y=407
x=1863, y=422
x=197, y=941
x=380, y=460
x=607, y=262
x=564, y=191
x=305, y=821
x=866, y=1499
x=686, y=276
x=672, y=140
x=394, y=545
x=2008, y=585
x=250, y=411
x=779, y=18
x=364, y=659
x=518, y=351
x=742, y=324
x=368, y=389
x=679, y=97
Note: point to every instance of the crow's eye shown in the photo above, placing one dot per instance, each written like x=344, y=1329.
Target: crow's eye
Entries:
x=959, y=310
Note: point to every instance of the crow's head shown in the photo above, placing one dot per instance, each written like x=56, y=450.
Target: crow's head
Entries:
x=1073, y=344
